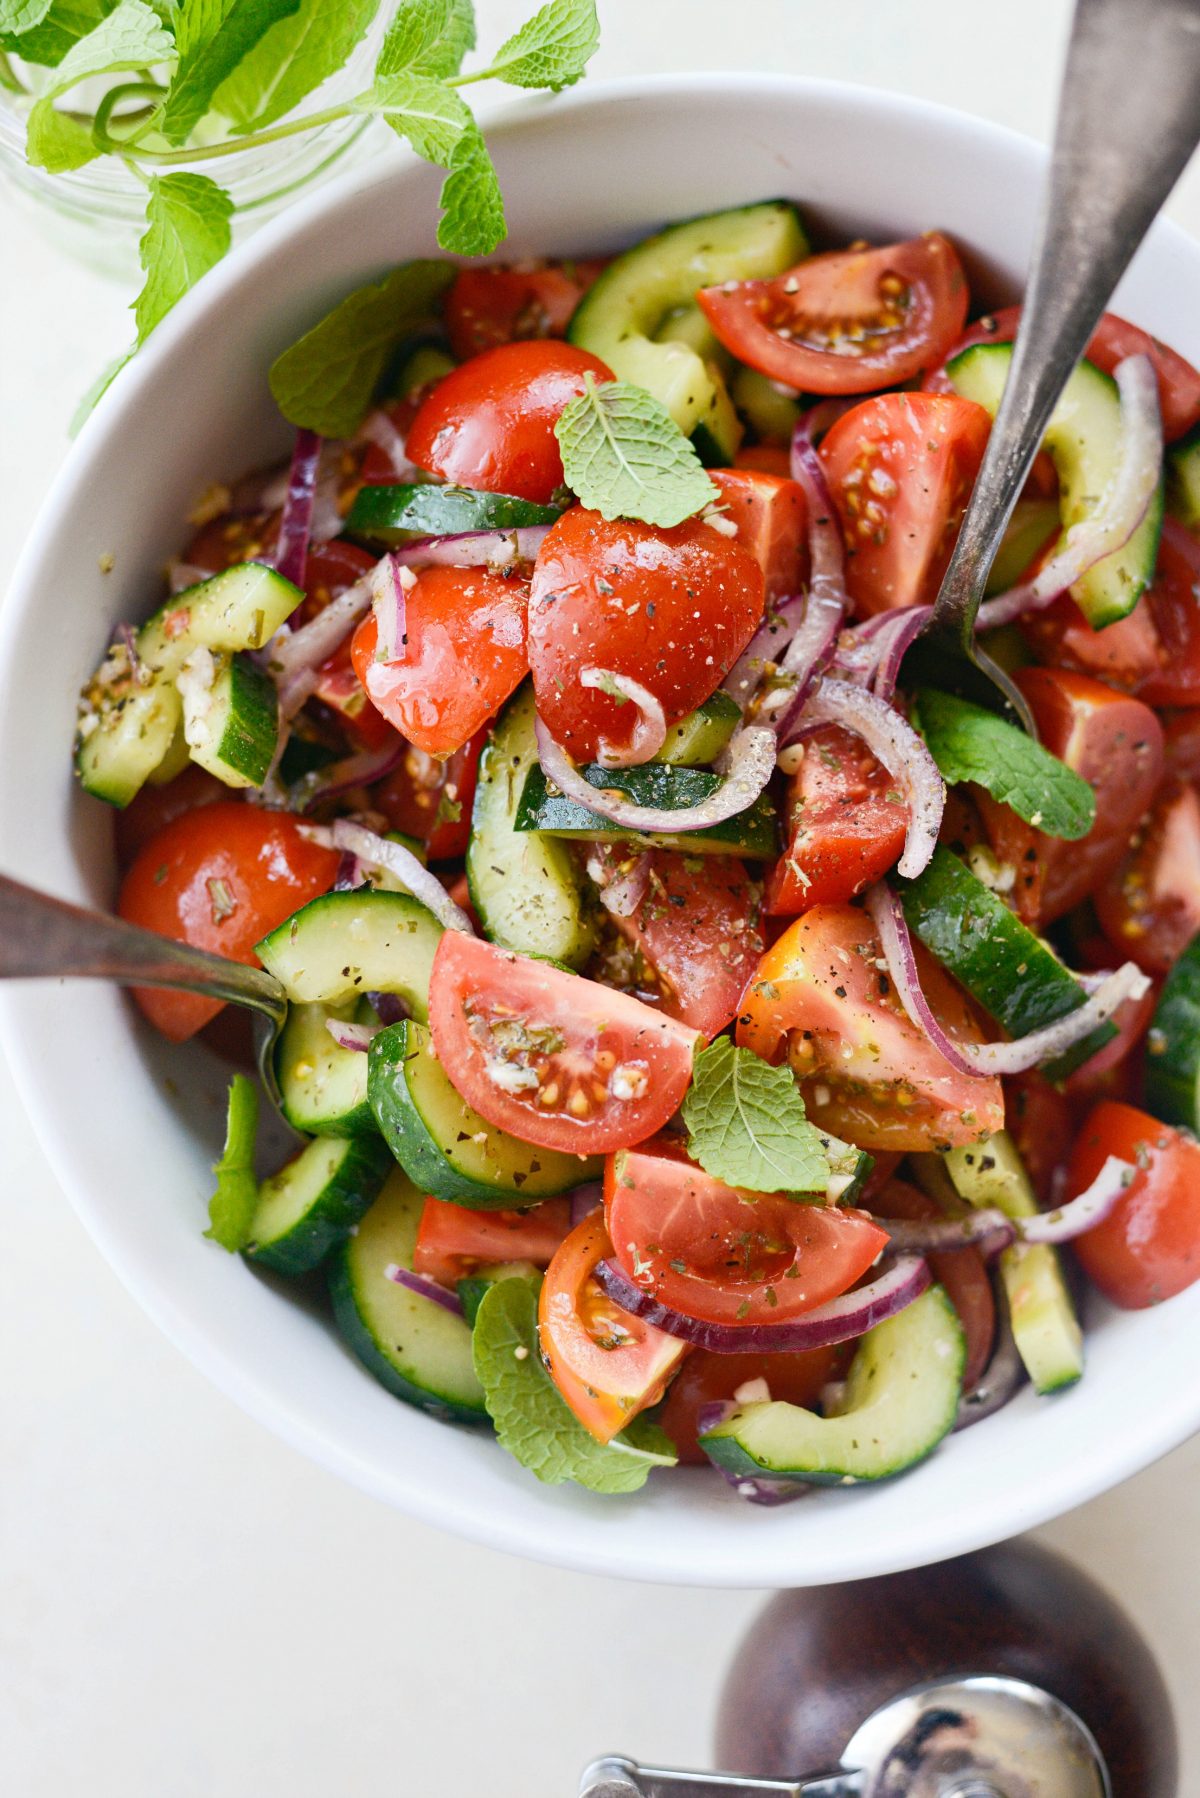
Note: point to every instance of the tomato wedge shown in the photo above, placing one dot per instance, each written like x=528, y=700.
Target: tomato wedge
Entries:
x=1150, y=906
x=487, y=306
x=607, y=1364
x=1182, y=744
x=795, y=1378
x=845, y=822
x=1148, y=1247
x=431, y=797
x=671, y=609
x=549, y=1056
x=452, y=1240
x=901, y=468
x=464, y=653
x=867, y=1073
x=771, y=519
x=849, y=321
x=722, y=1255
x=1039, y=1118
x=961, y=1271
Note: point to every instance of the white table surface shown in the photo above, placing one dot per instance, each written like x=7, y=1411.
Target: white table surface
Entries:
x=187, y=1608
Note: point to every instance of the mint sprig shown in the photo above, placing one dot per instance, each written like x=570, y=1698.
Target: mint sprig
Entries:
x=533, y=1421
x=969, y=743
x=290, y=60
x=747, y=1124
x=231, y=1207
x=625, y=457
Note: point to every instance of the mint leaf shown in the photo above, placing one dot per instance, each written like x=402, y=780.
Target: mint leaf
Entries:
x=129, y=38
x=533, y=1422
x=747, y=1124
x=472, y=222
x=17, y=16
x=327, y=379
x=232, y=1205
x=432, y=117
x=213, y=36
x=56, y=141
x=428, y=37
x=551, y=49
x=59, y=31
x=98, y=389
x=187, y=231
x=625, y=457
x=969, y=743
x=291, y=59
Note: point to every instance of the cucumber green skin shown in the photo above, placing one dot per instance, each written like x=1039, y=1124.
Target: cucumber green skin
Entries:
x=971, y=931
x=1183, y=479
x=1112, y=588
x=752, y=833
x=412, y=1134
x=699, y=738
x=1172, y=1072
x=922, y=1344
x=409, y=1369
x=343, y=945
x=526, y=889
x=246, y=712
x=333, y=1213
x=397, y=514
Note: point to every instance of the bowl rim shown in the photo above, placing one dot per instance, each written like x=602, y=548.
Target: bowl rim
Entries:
x=1143, y=1438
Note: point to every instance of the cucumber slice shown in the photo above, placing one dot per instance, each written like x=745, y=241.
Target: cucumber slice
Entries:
x=417, y=1349
x=1033, y=523
x=341, y=946
x=426, y=365
x=131, y=711
x=698, y=739
x=230, y=716
x=751, y=833
x=525, y=887
x=1011, y=972
x=1173, y=1045
x=624, y=310
x=397, y=514
x=444, y=1146
x=1045, y=1327
x=315, y=1201
x=1082, y=440
x=901, y=1399
x=1183, y=479
x=323, y=1087
x=771, y=415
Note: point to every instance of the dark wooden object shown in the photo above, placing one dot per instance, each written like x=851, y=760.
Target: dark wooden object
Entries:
x=816, y=1663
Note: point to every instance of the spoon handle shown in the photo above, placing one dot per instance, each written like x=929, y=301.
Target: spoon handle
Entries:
x=1128, y=120
x=42, y=937
x=615, y=1777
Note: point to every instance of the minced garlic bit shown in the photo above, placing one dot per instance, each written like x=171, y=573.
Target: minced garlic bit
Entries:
x=510, y=1076
x=196, y=682
x=753, y=1392
x=629, y=1080
x=719, y=519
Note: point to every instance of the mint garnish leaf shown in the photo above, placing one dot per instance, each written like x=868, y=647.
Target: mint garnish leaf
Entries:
x=212, y=37
x=625, y=457
x=56, y=141
x=533, y=1422
x=291, y=59
x=59, y=30
x=551, y=49
x=131, y=37
x=231, y=1207
x=17, y=16
x=187, y=231
x=747, y=1124
x=472, y=221
x=428, y=37
x=431, y=116
x=969, y=743
x=327, y=379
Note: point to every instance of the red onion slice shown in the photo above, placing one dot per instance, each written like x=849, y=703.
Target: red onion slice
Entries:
x=1084, y=1211
x=377, y=852
x=747, y=766
x=359, y=770
x=352, y=1036
x=842, y=1319
x=295, y=523
x=815, y=420
x=984, y=1059
x=378, y=428
x=894, y=743
x=1117, y=515
x=989, y=1231
x=474, y=549
x=1003, y=1376
x=424, y=1288
x=585, y=1200
x=765, y=651
x=296, y=655
x=808, y=655
x=891, y=646
x=827, y=555
x=389, y=606
x=650, y=730
x=622, y=880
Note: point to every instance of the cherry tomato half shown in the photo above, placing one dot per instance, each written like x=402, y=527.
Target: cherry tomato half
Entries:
x=431, y=798
x=1039, y=1118
x=845, y=821
x=219, y=878
x=488, y=306
x=771, y=519
x=607, y=1364
x=849, y=321
x=901, y=468
x=154, y=807
x=671, y=609
x=1148, y=1247
x=463, y=654
x=724, y=1256
x=1150, y=906
x=867, y=1073
x=551, y=1057
x=452, y=1240
x=490, y=422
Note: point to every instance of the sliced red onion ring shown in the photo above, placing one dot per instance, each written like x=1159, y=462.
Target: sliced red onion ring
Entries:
x=891, y=646
x=295, y=523
x=805, y=660
x=815, y=420
x=894, y=743
x=896, y=1286
x=424, y=1288
x=296, y=655
x=827, y=555
x=389, y=1008
x=747, y=766
x=765, y=651
x=1003, y=1376
x=389, y=605
x=622, y=881
x=984, y=1059
x=351, y=1036
x=650, y=730
x=378, y=428
x=358, y=770
x=585, y=1200
x=989, y=1231
x=349, y=874
x=474, y=549
x=377, y=852
x=1085, y=1210
x=1119, y=512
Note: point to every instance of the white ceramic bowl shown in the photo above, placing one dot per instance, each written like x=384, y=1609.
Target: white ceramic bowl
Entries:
x=130, y=1126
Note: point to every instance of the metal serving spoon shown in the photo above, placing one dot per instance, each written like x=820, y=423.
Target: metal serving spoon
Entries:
x=975, y=1737
x=45, y=938
x=1128, y=121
